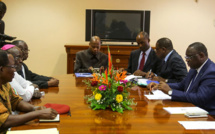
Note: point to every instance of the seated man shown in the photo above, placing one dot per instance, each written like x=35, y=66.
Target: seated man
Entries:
x=143, y=59
x=87, y=60
x=10, y=101
x=173, y=67
x=40, y=80
x=199, y=84
x=24, y=88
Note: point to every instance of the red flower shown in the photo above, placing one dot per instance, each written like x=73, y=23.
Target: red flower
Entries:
x=120, y=88
x=94, y=83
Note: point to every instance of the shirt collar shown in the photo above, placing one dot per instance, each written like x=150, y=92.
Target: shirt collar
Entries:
x=199, y=69
x=146, y=52
x=167, y=56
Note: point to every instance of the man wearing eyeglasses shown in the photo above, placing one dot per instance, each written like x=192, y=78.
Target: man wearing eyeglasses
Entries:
x=24, y=88
x=9, y=101
x=40, y=80
x=198, y=87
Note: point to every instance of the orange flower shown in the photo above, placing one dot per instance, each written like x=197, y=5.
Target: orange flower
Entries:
x=105, y=80
x=120, y=76
x=95, y=77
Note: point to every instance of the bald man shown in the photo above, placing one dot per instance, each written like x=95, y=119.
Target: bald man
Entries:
x=144, y=59
x=41, y=80
x=91, y=58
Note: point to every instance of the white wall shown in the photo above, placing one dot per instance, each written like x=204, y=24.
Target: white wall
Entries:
x=47, y=25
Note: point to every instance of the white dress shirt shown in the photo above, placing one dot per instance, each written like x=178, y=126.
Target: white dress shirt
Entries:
x=22, y=87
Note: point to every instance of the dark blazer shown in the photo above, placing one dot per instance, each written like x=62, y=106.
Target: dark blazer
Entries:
x=153, y=62
x=202, y=92
x=84, y=59
x=40, y=80
x=174, y=69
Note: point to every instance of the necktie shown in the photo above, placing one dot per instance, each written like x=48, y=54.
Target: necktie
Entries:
x=193, y=79
x=162, y=65
x=142, y=62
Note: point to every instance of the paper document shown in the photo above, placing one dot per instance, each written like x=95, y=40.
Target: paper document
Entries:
x=158, y=95
x=192, y=111
x=129, y=77
x=56, y=119
x=198, y=124
x=145, y=82
x=83, y=75
x=35, y=131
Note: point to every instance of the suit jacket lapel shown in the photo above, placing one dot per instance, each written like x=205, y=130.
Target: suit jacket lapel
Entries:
x=136, y=59
x=164, y=67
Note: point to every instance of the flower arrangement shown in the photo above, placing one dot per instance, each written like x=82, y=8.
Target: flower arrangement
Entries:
x=109, y=90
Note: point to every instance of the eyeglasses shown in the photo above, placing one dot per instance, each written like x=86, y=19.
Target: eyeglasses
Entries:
x=12, y=66
x=17, y=57
x=190, y=57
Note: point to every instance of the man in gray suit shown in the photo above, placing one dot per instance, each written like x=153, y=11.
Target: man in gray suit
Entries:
x=173, y=67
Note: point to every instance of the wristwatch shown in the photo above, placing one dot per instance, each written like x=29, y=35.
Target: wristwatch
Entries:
x=166, y=80
x=170, y=92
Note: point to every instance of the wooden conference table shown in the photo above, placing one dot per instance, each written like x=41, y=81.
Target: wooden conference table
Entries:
x=147, y=117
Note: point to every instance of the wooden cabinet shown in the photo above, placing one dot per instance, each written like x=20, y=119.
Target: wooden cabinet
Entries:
x=120, y=55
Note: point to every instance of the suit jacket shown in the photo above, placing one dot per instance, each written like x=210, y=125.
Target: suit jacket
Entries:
x=40, y=80
x=153, y=62
x=174, y=69
x=85, y=59
x=201, y=92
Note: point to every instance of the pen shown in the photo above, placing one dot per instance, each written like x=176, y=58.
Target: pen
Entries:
x=150, y=71
x=149, y=76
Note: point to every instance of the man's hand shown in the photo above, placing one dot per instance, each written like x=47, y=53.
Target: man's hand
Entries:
x=37, y=94
x=160, y=79
x=102, y=69
x=156, y=78
x=150, y=75
x=139, y=73
x=152, y=86
x=90, y=69
x=53, y=82
x=164, y=87
x=35, y=85
x=48, y=113
x=39, y=108
x=121, y=70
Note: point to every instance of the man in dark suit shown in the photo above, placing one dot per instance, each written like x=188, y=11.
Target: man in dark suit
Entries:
x=40, y=80
x=198, y=87
x=143, y=59
x=88, y=60
x=173, y=67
